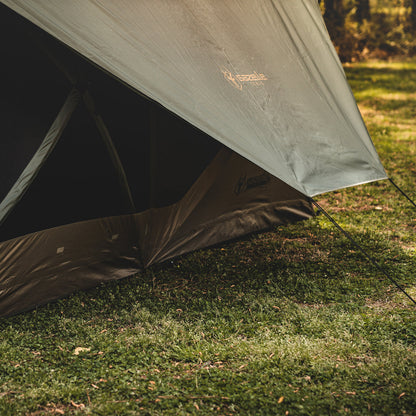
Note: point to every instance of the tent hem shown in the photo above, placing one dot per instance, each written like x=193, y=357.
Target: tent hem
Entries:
x=382, y=178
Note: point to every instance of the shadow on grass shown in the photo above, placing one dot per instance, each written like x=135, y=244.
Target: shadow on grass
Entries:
x=295, y=313
x=301, y=263
x=294, y=321
x=392, y=79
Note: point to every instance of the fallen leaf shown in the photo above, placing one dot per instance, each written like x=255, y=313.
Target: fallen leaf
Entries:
x=78, y=350
x=78, y=406
x=401, y=395
x=280, y=399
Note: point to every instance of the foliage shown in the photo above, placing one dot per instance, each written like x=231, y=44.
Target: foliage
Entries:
x=388, y=31
x=290, y=322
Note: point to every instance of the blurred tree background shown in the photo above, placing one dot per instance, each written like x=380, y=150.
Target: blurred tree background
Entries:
x=365, y=29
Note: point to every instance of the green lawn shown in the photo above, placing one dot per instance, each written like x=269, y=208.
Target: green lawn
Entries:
x=291, y=322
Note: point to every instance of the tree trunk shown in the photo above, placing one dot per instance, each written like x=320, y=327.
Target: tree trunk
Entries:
x=363, y=10
x=413, y=16
x=334, y=13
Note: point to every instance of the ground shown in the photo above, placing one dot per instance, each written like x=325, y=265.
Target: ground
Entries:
x=290, y=322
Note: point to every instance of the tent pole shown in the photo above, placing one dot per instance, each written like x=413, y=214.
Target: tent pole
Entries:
x=402, y=192
x=59, y=65
x=102, y=128
x=111, y=149
x=45, y=149
x=366, y=255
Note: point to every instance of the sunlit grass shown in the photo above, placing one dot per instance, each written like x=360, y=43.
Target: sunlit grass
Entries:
x=290, y=322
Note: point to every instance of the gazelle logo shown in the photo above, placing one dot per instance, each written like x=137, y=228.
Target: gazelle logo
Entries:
x=238, y=80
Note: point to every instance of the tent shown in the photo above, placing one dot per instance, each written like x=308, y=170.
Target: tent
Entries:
x=136, y=131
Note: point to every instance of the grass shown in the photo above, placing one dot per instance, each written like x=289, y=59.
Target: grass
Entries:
x=290, y=322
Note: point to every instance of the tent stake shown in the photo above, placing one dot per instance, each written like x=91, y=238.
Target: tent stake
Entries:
x=402, y=192
x=366, y=255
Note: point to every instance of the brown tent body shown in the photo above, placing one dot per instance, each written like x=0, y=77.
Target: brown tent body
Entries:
x=98, y=182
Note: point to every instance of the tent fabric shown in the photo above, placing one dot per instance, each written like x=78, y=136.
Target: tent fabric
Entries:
x=186, y=123
x=52, y=263
x=40, y=267
x=259, y=76
x=108, y=183
x=233, y=197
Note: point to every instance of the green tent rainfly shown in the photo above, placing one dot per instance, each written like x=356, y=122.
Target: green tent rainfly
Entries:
x=136, y=131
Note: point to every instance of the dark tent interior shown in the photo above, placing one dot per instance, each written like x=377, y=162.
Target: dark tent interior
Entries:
x=97, y=181
x=161, y=154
